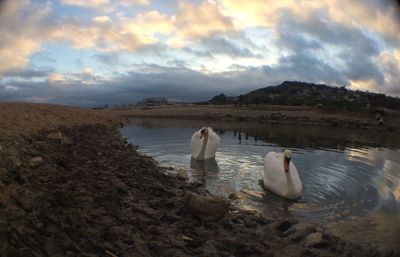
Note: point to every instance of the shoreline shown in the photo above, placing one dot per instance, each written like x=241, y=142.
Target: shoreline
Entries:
x=81, y=190
x=310, y=116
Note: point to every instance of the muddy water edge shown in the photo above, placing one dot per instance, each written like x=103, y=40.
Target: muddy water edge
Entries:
x=84, y=191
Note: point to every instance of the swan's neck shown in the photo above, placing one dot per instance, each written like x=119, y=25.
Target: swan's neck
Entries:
x=289, y=182
x=201, y=155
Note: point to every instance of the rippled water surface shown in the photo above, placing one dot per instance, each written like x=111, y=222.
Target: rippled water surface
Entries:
x=346, y=175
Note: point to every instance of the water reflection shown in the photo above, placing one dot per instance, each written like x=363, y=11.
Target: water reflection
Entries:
x=204, y=169
x=388, y=183
x=346, y=175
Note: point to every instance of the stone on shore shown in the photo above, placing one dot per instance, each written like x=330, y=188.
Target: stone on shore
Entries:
x=61, y=137
x=313, y=239
x=182, y=174
x=35, y=161
x=208, y=208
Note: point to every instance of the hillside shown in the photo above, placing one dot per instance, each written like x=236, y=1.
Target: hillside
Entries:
x=307, y=94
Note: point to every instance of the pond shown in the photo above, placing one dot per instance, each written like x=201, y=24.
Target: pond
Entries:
x=347, y=175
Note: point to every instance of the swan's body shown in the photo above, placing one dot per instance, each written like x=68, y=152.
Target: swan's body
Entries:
x=284, y=183
x=204, y=144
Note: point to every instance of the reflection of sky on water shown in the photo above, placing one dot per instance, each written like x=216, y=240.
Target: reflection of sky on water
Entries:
x=342, y=179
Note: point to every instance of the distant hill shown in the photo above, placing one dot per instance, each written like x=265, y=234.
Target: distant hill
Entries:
x=301, y=93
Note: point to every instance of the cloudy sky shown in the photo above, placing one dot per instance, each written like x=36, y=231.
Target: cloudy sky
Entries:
x=92, y=52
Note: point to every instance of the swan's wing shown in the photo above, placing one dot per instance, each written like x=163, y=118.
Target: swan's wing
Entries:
x=297, y=185
x=196, y=143
x=212, y=144
x=274, y=176
x=276, y=180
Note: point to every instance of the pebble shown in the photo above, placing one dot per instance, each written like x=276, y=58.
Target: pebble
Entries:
x=182, y=174
x=35, y=161
x=55, y=135
x=313, y=238
x=16, y=161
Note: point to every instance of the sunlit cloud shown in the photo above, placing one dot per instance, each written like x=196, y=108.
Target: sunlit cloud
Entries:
x=222, y=42
x=22, y=35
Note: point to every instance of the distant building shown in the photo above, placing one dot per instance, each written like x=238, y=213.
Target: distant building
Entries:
x=153, y=101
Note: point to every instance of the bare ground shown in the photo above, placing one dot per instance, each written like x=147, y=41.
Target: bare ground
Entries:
x=79, y=189
x=366, y=119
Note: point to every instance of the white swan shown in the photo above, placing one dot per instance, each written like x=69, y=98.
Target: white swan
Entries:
x=204, y=144
x=280, y=175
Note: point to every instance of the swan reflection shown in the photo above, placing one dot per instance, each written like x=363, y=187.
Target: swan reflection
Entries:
x=204, y=170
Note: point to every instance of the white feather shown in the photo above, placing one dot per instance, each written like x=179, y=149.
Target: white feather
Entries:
x=285, y=184
x=212, y=144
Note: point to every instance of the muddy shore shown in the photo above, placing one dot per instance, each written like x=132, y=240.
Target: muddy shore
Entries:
x=298, y=115
x=81, y=190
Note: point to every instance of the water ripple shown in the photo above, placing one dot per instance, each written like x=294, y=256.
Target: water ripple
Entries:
x=340, y=181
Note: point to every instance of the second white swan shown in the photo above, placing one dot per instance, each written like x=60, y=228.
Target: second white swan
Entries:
x=204, y=144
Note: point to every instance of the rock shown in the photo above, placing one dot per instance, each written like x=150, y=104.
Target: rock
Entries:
x=55, y=135
x=313, y=239
x=60, y=136
x=67, y=140
x=302, y=232
x=233, y=196
x=208, y=208
x=182, y=174
x=35, y=161
x=16, y=162
x=284, y=225
x=1, y=148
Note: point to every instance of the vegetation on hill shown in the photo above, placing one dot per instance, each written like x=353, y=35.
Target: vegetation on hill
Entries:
x=307, y=94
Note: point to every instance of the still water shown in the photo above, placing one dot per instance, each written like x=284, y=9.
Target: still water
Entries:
x=347, y=175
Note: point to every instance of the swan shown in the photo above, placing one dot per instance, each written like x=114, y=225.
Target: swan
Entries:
x=204, y=144
x=280, y=175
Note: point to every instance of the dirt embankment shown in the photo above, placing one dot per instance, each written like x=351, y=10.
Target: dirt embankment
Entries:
x=368, y=119
x=84, y=191
x=26, y=118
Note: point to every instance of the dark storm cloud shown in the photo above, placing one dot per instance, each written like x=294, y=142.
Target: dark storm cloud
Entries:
x=304, y=38
x=222, y=45
x=158, y=81
x=234, y=45
x=27, y=73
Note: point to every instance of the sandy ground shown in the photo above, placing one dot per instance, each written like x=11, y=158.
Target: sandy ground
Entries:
x=269, y=114
x=71, y=186
x=26, y=118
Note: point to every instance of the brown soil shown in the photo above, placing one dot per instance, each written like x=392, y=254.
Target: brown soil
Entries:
x=25, y=118
x=270, y=114
x=84, y=191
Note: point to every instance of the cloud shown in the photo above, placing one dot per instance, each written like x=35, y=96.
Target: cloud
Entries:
x=225, y=45
x=27, y=73
x=149, y=80
x=328, y=52
x=104, y=5
x=86, y=3
x=22, y=34
x=199, y=21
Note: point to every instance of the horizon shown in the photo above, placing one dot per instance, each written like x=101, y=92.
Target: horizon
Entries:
x=98, y=52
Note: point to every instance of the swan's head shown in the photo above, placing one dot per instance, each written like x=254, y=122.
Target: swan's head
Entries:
x=287, y=156
x=203, y=132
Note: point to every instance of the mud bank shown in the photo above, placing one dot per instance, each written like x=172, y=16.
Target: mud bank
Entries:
x=292, y=115
x=84, y=191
